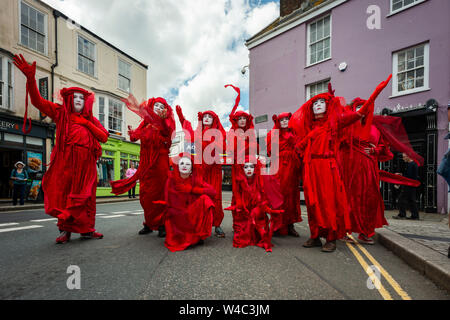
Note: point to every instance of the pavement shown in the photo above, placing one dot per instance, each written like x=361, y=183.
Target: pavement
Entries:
x=423, y=244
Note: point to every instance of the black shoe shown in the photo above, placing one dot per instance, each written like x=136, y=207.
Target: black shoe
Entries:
x=399, y=217
x=145, y=230
x=413, y=218
x=161, y=232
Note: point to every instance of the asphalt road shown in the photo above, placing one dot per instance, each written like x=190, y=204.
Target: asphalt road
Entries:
x=125, y=265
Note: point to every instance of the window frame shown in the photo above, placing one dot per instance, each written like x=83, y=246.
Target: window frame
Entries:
x=94, y=75
x=426, y=72
x=308, y=87
x=308, y=40
x=7, y=87
x=392, y=12
x=106, y=114
x=20, y=3
x=119, y=75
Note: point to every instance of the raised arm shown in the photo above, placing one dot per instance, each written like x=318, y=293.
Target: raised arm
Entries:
x=45, y=106
x=367, y=106
x=185, y=124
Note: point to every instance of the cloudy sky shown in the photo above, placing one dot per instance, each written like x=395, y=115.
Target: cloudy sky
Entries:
x=193, y=47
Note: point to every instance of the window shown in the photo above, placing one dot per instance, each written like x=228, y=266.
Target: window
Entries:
x=111, y=114
x=410, y=70
x=124, y=76
x=316, y=88
x=319, y=40
x=86, y=56
x=33, y=28
x=105, y=171
x=6, y=83
x=101, y=111
x=399, y=5
x=115, y=116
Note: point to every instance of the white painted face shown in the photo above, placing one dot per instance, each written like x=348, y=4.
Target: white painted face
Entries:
x=185, y=166
x=358, y=107
x=284, y=122
x=78, y=102
x=319, y=106
x=249, y=169
x=159, y=108
x=207, y=120
x=242, y=122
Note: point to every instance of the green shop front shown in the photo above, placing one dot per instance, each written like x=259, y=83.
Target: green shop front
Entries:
x=117, y=156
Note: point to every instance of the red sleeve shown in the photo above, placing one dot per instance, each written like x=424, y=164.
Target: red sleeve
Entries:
x=98, y=130
x=348, y=118
x=136, y=134
x=45, y=106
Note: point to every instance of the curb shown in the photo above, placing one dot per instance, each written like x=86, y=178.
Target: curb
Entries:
x=41, y=205
x=428, y=262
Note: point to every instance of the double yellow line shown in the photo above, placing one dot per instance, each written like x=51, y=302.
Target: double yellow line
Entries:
x=384, y=293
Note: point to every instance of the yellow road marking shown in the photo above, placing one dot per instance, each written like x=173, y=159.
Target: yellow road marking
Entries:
x=388, y=277
x=384, y=293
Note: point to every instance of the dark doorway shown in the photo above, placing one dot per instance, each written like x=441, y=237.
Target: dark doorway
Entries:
x=8, y=157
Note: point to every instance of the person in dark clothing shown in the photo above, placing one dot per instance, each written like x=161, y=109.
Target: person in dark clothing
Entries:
x=20, y=177
x=408, y=195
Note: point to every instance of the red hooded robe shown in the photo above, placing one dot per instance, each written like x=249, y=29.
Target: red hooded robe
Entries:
x=190, y=208
x=289, y=172
x=155, y=134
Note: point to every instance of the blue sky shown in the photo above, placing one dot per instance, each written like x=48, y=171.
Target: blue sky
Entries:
x=193, y=47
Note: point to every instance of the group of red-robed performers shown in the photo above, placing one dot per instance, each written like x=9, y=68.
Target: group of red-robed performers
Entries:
x=334, y=149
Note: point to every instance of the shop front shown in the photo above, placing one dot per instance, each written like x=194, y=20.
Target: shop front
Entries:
x=117, y=156
x=31, y=149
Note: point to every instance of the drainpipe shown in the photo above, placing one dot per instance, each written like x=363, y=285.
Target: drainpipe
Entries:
x=55, y=15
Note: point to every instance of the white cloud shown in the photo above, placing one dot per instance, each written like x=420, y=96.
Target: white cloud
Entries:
x=193, y=47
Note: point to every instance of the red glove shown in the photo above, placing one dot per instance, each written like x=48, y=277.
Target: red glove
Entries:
x=28, y=70
x=78, y=119
x=365, y=109
x=180, y=114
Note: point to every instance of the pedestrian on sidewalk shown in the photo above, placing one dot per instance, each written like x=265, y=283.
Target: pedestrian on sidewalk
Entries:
x=130, y=172
x=408, y=194
x=20, y=176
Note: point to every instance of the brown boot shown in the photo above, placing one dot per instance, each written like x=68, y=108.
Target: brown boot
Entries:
x=329, y=246
x=312, y=243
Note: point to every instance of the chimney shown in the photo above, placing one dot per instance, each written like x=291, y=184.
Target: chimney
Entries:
x=289, y=6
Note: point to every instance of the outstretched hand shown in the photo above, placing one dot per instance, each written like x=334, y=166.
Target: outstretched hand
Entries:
x=180, y=114
x=365, y=109
x=28, y=70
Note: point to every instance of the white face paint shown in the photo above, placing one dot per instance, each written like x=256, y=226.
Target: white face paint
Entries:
x=242, y=122
x=78, y=102
x=249, y=169
x=185, y=166
x=207, y=120
x=159, y=108
x=319, y=106
x=358, y=107
x=284, y=122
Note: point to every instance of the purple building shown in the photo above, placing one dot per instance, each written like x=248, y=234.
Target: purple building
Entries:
x=355, y=44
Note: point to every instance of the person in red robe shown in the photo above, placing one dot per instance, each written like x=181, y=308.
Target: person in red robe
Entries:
x=288, y=174
x=190, y=205
x=155, y=132
x=251, y=224
x=70, y=183
x=319, y=125
x=360, y=155
x=211, y=148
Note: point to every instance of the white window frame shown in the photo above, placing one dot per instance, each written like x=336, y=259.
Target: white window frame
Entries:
x=391, y=3
x=426, y=64
x=106, y=114
x=45, y=28
x=95, y=55
x=308, y=40
x=7, y=88
x=308, y=87
x=120, y=75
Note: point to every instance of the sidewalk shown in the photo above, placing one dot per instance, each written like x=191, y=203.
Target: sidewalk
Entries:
x=6, y=205
x=422, y=244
